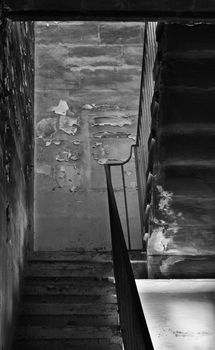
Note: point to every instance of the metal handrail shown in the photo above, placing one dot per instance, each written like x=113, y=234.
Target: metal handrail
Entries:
x=133, y=324
x=143, y=132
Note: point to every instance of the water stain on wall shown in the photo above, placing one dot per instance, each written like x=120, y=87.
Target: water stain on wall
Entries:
x=87, y=93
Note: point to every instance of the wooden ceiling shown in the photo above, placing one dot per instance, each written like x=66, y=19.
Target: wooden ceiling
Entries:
x=113, y=10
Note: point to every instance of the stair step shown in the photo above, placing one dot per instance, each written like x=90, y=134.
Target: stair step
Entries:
x=69, y=302
x=194, y=212
x=81, y=256
x=43, y=267
x=198, y=146
x=187, y=267
x=188, y=168
x=64, y=280
x=191, y=55
x=182, y=241
x=190, y=206
x=70, y=299
x=66, y=320
x=194, y=106
x=188, y=129
x=75, y=286
x=139, y=269
x=68, y=290
x=190, y=188
x=188, y=73
x=74, y=256
x=75, y=344
x=186, y=38
x=79, y=269
x=93, y=308
x=73, y=332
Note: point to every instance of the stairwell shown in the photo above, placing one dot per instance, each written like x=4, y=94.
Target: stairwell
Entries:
x=183, y=233
x=69, y=299
x=69, y=302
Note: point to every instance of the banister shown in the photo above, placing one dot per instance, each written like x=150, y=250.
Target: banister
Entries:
x=140, y=101
x=133, y=324
x=143, y=148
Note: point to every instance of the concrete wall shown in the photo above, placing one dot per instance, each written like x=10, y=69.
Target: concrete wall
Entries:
x=16, y=131
x=94, y=70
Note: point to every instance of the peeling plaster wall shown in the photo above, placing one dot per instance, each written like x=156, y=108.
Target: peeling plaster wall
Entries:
x=87, y=95
x=16, y=175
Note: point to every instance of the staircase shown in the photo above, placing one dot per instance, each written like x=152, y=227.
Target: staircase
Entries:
x=183, y=241
x=69, y=302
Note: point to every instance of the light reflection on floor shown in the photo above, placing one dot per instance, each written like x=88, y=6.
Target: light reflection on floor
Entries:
x=180, y=313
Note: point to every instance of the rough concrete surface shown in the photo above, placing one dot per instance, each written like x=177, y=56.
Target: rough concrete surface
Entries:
x=86, y=106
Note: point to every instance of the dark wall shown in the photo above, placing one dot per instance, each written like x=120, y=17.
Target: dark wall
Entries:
x=112, y=9
x=16, y=152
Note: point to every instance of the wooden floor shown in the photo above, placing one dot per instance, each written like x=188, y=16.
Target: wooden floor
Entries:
x=180, y=313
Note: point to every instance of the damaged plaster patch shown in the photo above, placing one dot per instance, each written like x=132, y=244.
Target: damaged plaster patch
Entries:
x=56, y=142
x=106, y=107
x=69, y=124
x=102, y=161
x=46, y=127
x=74, y=189
x=132, y=137
x=66, y=155
x=128, y=172
x=100, y=153
x=168, y=264
x=43, y=169
x=61, y=109
x=165, y=223
x=165, y=201
x=158, y=240
x=109, y=134
x=67, y=176
x=88, y=107
x=60, y=176
x=76, y=142
x=51, y=141
x=115, y=120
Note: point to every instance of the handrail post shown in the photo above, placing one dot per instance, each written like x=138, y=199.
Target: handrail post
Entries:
x=126, y=207
x=133, y=324
x=142, y=161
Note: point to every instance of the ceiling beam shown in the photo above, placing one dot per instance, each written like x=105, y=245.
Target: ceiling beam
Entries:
x=127, y=10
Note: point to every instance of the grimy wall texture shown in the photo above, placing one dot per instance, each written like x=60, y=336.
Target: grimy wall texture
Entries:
x=16, y=151
x=94, y=69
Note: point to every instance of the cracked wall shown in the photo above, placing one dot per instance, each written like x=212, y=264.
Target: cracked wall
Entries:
x=87, y=96
x=16, y=164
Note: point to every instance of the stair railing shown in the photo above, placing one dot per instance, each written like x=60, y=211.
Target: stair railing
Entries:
x=143, y=150
x=133, y=324
x=134, y=328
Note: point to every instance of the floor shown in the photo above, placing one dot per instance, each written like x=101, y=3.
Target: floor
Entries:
x=180, y=313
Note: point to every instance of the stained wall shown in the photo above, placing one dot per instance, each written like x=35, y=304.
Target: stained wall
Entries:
x=87, y=94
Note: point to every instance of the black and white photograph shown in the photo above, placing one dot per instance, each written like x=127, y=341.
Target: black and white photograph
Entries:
x=107, y=175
